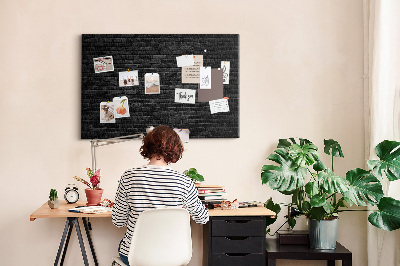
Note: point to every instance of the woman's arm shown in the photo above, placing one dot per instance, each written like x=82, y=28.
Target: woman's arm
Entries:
x=193, y=205
x=120, y=208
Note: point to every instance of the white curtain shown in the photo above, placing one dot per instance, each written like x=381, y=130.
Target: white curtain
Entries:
x=383, y=109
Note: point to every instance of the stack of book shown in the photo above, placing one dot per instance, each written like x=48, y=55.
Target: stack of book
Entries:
x=211, y=194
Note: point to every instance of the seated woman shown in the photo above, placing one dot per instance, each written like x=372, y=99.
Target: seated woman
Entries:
x=155, y=185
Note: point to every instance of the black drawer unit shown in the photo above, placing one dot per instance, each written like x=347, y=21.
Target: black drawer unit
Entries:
x=234, y=241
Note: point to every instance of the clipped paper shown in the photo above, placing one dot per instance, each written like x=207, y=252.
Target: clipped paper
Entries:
x=103, y=64
x=185, y=96
x=185, y=60
x=226, y=66
x=152, y=83
x=121, y=106
x=107, y=114
x=219, y=106
x=217, y=88
x=128, y=78
x=205, y=77
x=191, y=74
x=183, y=134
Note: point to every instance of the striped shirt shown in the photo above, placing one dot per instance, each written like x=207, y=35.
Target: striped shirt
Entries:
x=151, y=187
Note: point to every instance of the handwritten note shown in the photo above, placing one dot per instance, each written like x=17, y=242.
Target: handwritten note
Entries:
x=219, y=106
x=205, y=77
x=185, y=60
x=191, y=74
x=226, y=66
x=185, y=96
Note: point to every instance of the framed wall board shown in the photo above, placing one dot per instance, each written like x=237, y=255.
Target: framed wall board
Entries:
x=156, y=54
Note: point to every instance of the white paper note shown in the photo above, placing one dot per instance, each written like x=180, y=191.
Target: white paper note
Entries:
x=205, y=77
x=219, y=106
x=191, y=74
x=185, y=60
x=183, y=134
x=185, y=96
x=225, y=66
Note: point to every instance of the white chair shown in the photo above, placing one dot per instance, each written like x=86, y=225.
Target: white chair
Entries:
x=162, y=237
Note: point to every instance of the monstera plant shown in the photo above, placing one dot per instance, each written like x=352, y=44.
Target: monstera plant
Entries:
x=320, y=194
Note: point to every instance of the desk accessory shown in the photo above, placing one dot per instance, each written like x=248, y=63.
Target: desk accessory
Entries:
x=71, y=194
x=53, y=202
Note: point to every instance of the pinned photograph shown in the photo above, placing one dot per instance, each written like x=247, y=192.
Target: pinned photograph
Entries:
x=152, y=83
x=121, y=107
x=226, y=66
x=183, y=134
x=205, y=77
x=107, y=114
x=103, y=64
x=185, y=96
x=128, y=78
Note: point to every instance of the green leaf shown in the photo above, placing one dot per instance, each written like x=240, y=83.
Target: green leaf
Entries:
x=320, y=201
x=319, y=166
x=276, y=208
x=287, y=176
x=311, y=189
x=364, y=188
x=284, y=143
x=331, y=183
x=304, y=155
x=292, y=222
x=306, y=206
x=388, y=153
x=388, y=216
x=333, y=146
x=317, y=213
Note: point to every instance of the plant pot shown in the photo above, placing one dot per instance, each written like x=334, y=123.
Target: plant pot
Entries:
x=323, y=234
x=93, y=196
x=54, y=204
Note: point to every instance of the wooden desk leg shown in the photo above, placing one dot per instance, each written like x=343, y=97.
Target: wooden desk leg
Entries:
x=271, y=262
x=90, y=241
x=67, y=225
x=78, y=232
x=331, y=263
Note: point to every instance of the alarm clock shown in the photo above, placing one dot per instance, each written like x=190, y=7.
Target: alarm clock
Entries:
x=71, y=194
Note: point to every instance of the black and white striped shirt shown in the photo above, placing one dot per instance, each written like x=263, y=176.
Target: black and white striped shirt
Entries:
x=151, y=187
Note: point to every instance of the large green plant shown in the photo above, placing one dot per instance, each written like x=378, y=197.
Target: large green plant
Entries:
x=318, y=193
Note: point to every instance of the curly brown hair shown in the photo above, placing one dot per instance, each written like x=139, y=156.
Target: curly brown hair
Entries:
x=162, y=141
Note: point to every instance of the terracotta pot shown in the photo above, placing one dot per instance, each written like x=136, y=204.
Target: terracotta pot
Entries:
x=93, y=196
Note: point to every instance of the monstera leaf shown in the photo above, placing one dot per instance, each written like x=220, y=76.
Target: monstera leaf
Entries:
x=304, y=155
x=363, y=188
x=334, y=147
x=286, y=177
x=388, y=153
x=388, y=216
x=320, y=201
x=276, y=208
x=331, y=183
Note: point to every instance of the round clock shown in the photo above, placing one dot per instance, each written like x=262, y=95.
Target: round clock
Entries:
x=71, y=194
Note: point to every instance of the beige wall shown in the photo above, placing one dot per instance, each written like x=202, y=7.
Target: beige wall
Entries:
x=301, y=75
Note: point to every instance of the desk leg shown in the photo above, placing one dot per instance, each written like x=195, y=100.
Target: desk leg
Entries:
x=67, y=225
x=90, y=241
x=331, y=263
x=271, y=262
x=66, y=243
x=78, y=232
x=346, y=263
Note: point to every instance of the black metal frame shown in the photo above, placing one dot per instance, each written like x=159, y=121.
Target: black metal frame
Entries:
x=71, y=221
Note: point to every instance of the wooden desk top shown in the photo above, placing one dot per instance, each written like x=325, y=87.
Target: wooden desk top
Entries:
x=250, y=211
x=62, y=212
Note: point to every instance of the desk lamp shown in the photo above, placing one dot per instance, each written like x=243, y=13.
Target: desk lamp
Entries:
x=94, y=143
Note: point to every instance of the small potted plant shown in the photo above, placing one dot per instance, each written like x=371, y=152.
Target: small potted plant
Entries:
x=320, y=194
x=194, y=175
x=53, y=201
x=93, y=193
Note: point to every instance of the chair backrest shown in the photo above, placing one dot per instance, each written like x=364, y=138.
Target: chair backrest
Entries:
x=161, y=237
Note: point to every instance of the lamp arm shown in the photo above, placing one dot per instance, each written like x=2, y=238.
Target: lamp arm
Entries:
x=94, y=143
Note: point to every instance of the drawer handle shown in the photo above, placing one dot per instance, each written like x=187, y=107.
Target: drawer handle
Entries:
x=237, y=221
x=236, y=237
x=236, y=254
